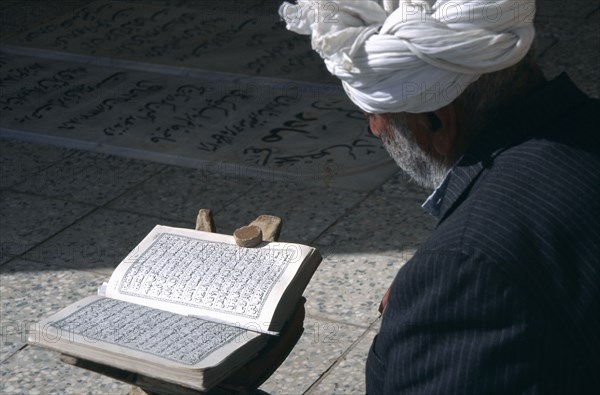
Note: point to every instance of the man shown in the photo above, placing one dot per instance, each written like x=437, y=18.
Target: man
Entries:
x=504, y=297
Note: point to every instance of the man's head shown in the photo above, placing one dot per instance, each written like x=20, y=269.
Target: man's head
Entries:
x=426, y=145
x=414, y=66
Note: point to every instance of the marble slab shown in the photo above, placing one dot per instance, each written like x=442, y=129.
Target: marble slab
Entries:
x=280, y=131
x=35, y=371
x=99, y=242
x=220, y=37
x=349, y=288
x=321, y=345
x=348, y=376
x=28, y=220
x=33, y=290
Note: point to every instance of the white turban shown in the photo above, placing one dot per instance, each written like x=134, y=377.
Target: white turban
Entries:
x=412, y=56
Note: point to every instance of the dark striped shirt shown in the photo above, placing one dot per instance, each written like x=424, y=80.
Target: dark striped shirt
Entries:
x=504, y=297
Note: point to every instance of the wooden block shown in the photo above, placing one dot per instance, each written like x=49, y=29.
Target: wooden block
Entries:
x=270, y=226
x=248, y=236
x=205, y=222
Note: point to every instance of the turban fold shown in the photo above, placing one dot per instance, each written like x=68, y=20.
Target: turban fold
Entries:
x=412, y=56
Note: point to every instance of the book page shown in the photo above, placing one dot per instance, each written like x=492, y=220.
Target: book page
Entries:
x=143, y=332
x=207, y=275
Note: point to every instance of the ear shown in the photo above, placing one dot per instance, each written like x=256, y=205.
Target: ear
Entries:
x=444, y=129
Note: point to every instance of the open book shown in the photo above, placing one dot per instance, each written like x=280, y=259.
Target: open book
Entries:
x=185, y=306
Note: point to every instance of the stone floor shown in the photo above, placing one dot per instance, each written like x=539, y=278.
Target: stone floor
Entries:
x=69, y=216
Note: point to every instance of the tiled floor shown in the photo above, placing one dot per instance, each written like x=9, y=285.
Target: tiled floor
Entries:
x=70, y=216
x=63, y=238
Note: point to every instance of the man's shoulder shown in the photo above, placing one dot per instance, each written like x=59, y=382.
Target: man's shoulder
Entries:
x=532, y=214
x=531, y=190
x=536, y=194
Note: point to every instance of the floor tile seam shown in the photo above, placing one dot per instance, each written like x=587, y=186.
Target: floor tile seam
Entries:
x=52, y=197
x=40, y=170
x=163, y=168
x=12, y=257
x=111, y=205
x=38, y=244
x=250, y=189
x=310, y=390
x=76, y=269
x=135, y=186
x=47, y=196
x=152, y=216
x=318, y=317
x=266, y=180
x=403, y=254
x=546, y=50
x=346, y=212
x=59, y=265
x=330, y=251
x=6, y=358
x=245, y=192
x=590, y=15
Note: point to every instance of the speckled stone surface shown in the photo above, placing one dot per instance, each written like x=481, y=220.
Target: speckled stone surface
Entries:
x=322, y=343
x=574, y=53
x=570, y=8
x=306, y=211
x=99, y=242
x=90, y=177
x=348, y=288
x=35, y=371
x=32, y=291
x=348, y=375
x=28, y=219
x=401, y=187
x=178, y=193
x=20, y=160
x=384, y=225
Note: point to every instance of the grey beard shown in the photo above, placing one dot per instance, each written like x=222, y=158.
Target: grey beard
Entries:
x=403, y=148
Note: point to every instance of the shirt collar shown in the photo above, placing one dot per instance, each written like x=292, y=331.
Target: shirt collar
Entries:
x=433, y=204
